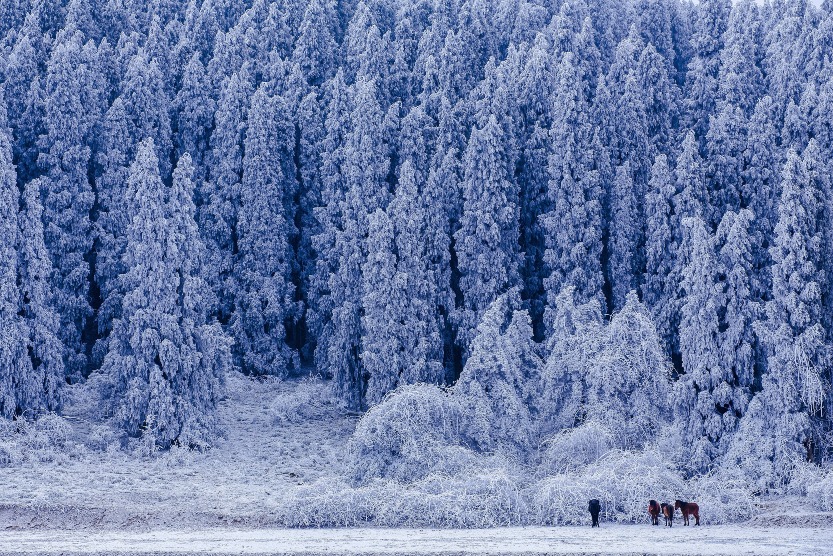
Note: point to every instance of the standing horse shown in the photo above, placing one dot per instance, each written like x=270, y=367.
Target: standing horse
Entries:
x=653, y=511
x=668, y=514
x=595, y=507
x=688, y=509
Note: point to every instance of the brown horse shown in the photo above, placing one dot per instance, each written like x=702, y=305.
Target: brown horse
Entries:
x=668, y=514
x=595, y=507
x=653, y=511
x=688, y=509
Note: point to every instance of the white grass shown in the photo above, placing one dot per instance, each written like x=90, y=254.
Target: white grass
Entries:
x=614, y=539
x=67, y=485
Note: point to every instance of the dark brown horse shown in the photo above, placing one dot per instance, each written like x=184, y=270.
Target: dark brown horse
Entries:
x=653, y=511
x=668, y=514
x=595, y=507
x=688, y=509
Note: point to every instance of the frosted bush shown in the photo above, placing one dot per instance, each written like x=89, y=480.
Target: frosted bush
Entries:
x=55, y=428
x=303, y=403
x=575, y=448
x=10, y=453
x=820, y=491
x=412, y=433
x=485, y=498
x=101, y=437
x=622, y=481
x=722, y=498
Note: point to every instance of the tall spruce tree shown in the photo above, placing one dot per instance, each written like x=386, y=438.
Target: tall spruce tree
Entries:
x=574, y=225
x=487, y=242
x=165, y=364
x=781, y=427
x=264, y=295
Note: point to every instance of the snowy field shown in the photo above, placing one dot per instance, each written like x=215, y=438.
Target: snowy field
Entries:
x=616, y=539
x=85, y=500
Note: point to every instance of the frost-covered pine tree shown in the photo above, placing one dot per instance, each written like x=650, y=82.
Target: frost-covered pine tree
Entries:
x=194, y=108
x=499, y=377
x=574, y=225
x=624, y=265
x=264, y=295
x=725, y=143
x=692, y=196
x=703, y=70
x=739, y=348
x=487, y=241
x=24, y=96
x=316, y=50
x=659, y=285
x=217, y=214
x=41, y=321
x=165, y=366
x=14, y=367
x=697, y=411
x=402, y=323
x=72, y=105
x=760, y=190
x=31, y=364
x=363, y=167
x=780, y=428
x=383, y=312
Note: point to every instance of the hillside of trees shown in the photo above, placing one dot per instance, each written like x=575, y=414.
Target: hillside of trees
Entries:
x=517, y=228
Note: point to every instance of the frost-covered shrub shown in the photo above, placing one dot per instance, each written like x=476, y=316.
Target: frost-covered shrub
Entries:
x=482, y=498
x=302, y=403
x=623, y=482
x=101, y=437
x=11, y=453
x=722, y=497
x=55, y=428
x=413, y=432
x=820, y=491
x=576, y=448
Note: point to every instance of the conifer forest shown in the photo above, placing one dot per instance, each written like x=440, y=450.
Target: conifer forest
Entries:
x=528, y=252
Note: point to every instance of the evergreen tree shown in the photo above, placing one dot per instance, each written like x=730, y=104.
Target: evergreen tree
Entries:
x=315, y=49
x=624, y=265
x=760, y=193
x=15, y=393
x=194, y=108
x=704, y=68
x=45, y=373
x=487, y=242
x=384, y=313
x=112, y=169
x=574, y=226
x=738, y=343
x=697, y=410
x=166, y=366
x=497, y=381
x=660, y=283
x=364, y=170
x=780, y=427
x=71, y=105
x=264, y=292
x=725, y=143
x=692, y=196
x=217, y=214
x=31, y=367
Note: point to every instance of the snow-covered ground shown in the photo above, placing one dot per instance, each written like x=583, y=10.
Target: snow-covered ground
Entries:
x=83, y=499
x=613, y=539
x=240, y=482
